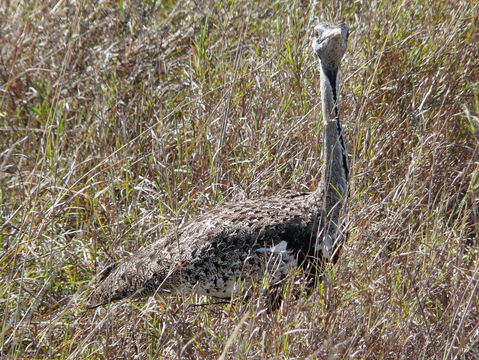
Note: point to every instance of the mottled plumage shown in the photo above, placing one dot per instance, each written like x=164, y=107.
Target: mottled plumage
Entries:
x=211, y=252
x=246, y=240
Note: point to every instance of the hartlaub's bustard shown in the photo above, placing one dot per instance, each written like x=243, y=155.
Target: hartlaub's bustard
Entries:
x=249, y=239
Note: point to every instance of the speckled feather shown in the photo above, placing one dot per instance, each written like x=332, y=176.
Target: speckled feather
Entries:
x=209, y=254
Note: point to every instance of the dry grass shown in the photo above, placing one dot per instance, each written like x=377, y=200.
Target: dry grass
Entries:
x=120, y=119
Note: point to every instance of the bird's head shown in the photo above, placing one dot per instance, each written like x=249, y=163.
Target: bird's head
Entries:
x=330, y=43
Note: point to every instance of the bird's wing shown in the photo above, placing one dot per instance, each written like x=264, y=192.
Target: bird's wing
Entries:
x=227, y=233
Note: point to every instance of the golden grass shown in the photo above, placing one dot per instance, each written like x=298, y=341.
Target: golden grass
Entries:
x=121, y=119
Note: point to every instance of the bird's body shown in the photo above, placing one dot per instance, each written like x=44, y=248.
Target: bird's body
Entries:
x=247, y=240
x=209, y=254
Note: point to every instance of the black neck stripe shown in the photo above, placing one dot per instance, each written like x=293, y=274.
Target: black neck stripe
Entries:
x=331, y=75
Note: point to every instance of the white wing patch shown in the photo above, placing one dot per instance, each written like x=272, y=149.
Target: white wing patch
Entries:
x=277, y=249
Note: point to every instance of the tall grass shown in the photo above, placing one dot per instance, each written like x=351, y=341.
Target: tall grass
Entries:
x=122, y=119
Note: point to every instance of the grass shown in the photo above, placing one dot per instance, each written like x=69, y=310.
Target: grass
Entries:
x=120, y=120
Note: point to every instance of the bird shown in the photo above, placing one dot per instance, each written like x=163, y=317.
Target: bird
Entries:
x=228, y=248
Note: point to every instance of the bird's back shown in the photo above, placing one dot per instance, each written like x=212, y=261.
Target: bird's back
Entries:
x=210, y=253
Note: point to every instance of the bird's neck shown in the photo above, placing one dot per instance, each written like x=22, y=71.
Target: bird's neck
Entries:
x=335, y=174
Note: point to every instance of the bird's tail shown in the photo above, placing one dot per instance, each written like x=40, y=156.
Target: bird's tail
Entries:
x=136, y=277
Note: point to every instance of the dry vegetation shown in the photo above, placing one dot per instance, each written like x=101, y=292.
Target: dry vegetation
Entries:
x=120, y=119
